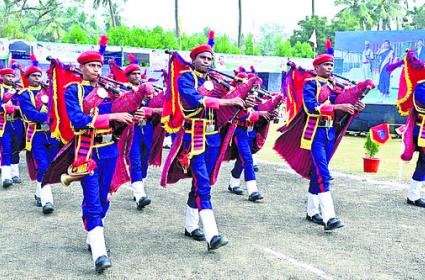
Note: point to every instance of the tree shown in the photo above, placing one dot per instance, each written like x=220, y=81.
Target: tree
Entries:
x=283, y=49
x=418, y=18
x=269, y=34
x=313, y=9
x=76, y=35
x=176, y=17
x=323, y=30
x=240, y=24
x=112, y=7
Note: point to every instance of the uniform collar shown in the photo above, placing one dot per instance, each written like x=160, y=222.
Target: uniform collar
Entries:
x=34, y=88
x=321, y=79
x=199, y=74
x=85, y=83
x=6, y=86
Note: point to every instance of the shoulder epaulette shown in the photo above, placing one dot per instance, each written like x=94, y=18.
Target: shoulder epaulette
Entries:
x=21, y=91
x=311, y=79
x=185, y=71
x=71, y=83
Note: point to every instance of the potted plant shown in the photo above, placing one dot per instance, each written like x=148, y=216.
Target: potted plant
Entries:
x=370, y=162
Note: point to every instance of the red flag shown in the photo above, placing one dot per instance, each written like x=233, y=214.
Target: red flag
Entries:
x=380, y=134
x=172, y=114
x=293, y=90
x=60, y=125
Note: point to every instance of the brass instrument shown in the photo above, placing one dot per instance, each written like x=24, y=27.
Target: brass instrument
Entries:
x=74, y=174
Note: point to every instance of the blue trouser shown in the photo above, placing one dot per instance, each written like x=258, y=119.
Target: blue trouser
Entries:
x=202, y=166
x=44, y=149
x=139, y=152
x=419, y=174
x=96, y=188
x=244, y=140
x=11, y=142
x=321, y=153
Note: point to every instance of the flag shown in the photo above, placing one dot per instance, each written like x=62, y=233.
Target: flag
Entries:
x=60, y=77
x=313, y=38
x=380, y=134
x=172, y=114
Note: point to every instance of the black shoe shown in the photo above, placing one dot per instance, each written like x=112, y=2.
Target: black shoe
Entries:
x=102, y=263
x=334, y=223
x=317, y=219
x=144, y=201
x=235, y=190
x=37, y=201
x=255, y=196
x=196, y=234
x=16, y=180
x=7, y=183
x=419, y=202
x=256, y=169
x=216, y=242
x=48, y=208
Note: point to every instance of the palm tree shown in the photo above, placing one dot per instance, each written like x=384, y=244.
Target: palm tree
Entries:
x=104, y=3
x=240, y=25
x=176, y=15
x=313, y=10
x=360, y=9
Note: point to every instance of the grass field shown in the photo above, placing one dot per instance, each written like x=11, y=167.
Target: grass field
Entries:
x=349, y=157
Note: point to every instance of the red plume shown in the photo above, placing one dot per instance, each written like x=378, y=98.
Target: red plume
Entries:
x=328, y=43
x=131, y=57
x=33, y=58
x=103, y=41
x=211, y=34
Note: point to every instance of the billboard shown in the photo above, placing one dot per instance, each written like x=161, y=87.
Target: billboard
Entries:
x=361, y=55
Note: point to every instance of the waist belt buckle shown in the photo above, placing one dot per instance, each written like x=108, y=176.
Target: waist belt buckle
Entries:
x=106, y=138
x=210, y=128
x=44, y=126
x=250, y=128
x=142, y=123
x=329, y=123
x=9, y=118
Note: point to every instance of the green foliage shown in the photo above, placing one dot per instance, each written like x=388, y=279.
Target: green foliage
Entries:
x=76, y=35
x=371, y=148
x=307, y=26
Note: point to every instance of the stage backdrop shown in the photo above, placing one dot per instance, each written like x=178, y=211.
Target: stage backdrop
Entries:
x=353, y=60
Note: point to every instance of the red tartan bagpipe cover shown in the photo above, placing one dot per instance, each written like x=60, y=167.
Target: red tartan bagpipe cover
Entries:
x=261, y=127
x=288, y=144
x=117, y=72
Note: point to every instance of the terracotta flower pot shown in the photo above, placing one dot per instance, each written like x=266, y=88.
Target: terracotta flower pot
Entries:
x=370, y=164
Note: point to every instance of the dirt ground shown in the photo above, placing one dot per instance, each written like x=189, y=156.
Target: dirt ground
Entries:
x=383, y=237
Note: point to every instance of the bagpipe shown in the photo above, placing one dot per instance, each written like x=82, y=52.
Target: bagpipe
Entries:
x=346, y=94
x=105, y=82
x=260, y=94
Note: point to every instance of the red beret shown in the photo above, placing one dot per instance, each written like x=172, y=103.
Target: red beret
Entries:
x=200, y=49
x=131, y=67
x=33, y=69
x=5, y=71
x=242, y=75
x=322, y=58
x=90, y=56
